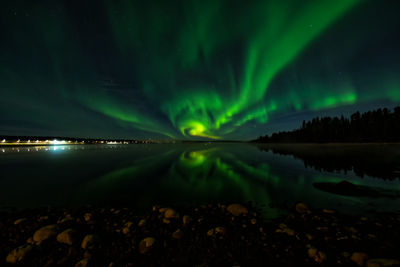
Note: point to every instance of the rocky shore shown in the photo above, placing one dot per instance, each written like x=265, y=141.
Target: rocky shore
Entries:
x=208, y=235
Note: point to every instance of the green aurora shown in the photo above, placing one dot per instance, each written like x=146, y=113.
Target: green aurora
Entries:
x=214, y=69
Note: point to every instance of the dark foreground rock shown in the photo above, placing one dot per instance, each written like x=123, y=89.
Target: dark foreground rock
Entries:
x=209, y=235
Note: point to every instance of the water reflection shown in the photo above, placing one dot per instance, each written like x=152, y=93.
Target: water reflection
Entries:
x=188, y=176
x=375, y=160
x=141, y=175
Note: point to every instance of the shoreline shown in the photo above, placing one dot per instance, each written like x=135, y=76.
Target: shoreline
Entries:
x=205, y=235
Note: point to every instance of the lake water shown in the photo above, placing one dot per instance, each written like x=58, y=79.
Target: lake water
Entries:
x=275, y=177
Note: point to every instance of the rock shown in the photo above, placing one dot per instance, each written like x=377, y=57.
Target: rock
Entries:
x=90, y=241
x=167, y=221
x=20, y=221
x=142, y=223
x=146, y=245
x=88, y=217
x=328, y=211
x=82, y=263
x=67, y=218
x=210, y=232
x=253, y=221
x=87, y=255
x=127, y=228
x=382, y=262
x=45, y=233
x=220, y=230
x=19, y=254
x=67, y=237
x=285, y=229
x=302, y=208
x=43, y=218
x=186, y=219
x=309, y=237
x=162, y=210
x=237, y=209
x=178, y=234
x=359, y=257
x=312, y=252
x=171, y=214
x=317, y=256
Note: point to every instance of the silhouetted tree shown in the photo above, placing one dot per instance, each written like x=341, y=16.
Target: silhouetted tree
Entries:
x=380, y=125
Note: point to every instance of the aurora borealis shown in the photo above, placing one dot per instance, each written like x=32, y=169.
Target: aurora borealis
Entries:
x=189, y=69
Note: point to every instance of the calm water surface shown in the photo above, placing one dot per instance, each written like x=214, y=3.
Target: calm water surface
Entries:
x=275, y=177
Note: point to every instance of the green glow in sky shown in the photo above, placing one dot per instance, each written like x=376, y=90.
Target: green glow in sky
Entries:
x=214, y=69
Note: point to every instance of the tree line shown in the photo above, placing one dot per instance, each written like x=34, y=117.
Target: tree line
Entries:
x=381, y=125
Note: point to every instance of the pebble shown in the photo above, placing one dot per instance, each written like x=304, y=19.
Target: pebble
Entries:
x=171, y=214
x=178, y=234
x=82, y=263
x=359, y=258
x=237, y=209
x=146, y=245
x=382, y=262
x=90, y=241
x=20, y=221
x=67, y=237
x=302, y=208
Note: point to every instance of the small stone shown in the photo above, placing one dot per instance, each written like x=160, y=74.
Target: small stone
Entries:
x=210, y=232
x=87, y=255
x=162, y=210
x=171, y=214
x=302, y=208
x=127, y=228
x=237, y=209
x=285, y=229
x=318, y=256
x=328, y=211
x=146, y=245
x=359, y=257
x=88, y=217
x=45, y=233
x=142, y=223
x=178, y=234
x=90, y=241
x=346, y=254
x=167, y=221
x=67, y=218
x=67, y=237
x=43, y=218
x=253, y=221
x=20, y=221
x=186, y=219
x=312, y=252
x=382, y=262
x=372, y=236
x=19, y=254
x=309, y=237
x=321, y=257
x=82, y=263
x=220, y=230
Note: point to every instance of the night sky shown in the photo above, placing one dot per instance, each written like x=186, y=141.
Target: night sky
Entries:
x=221, y=69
